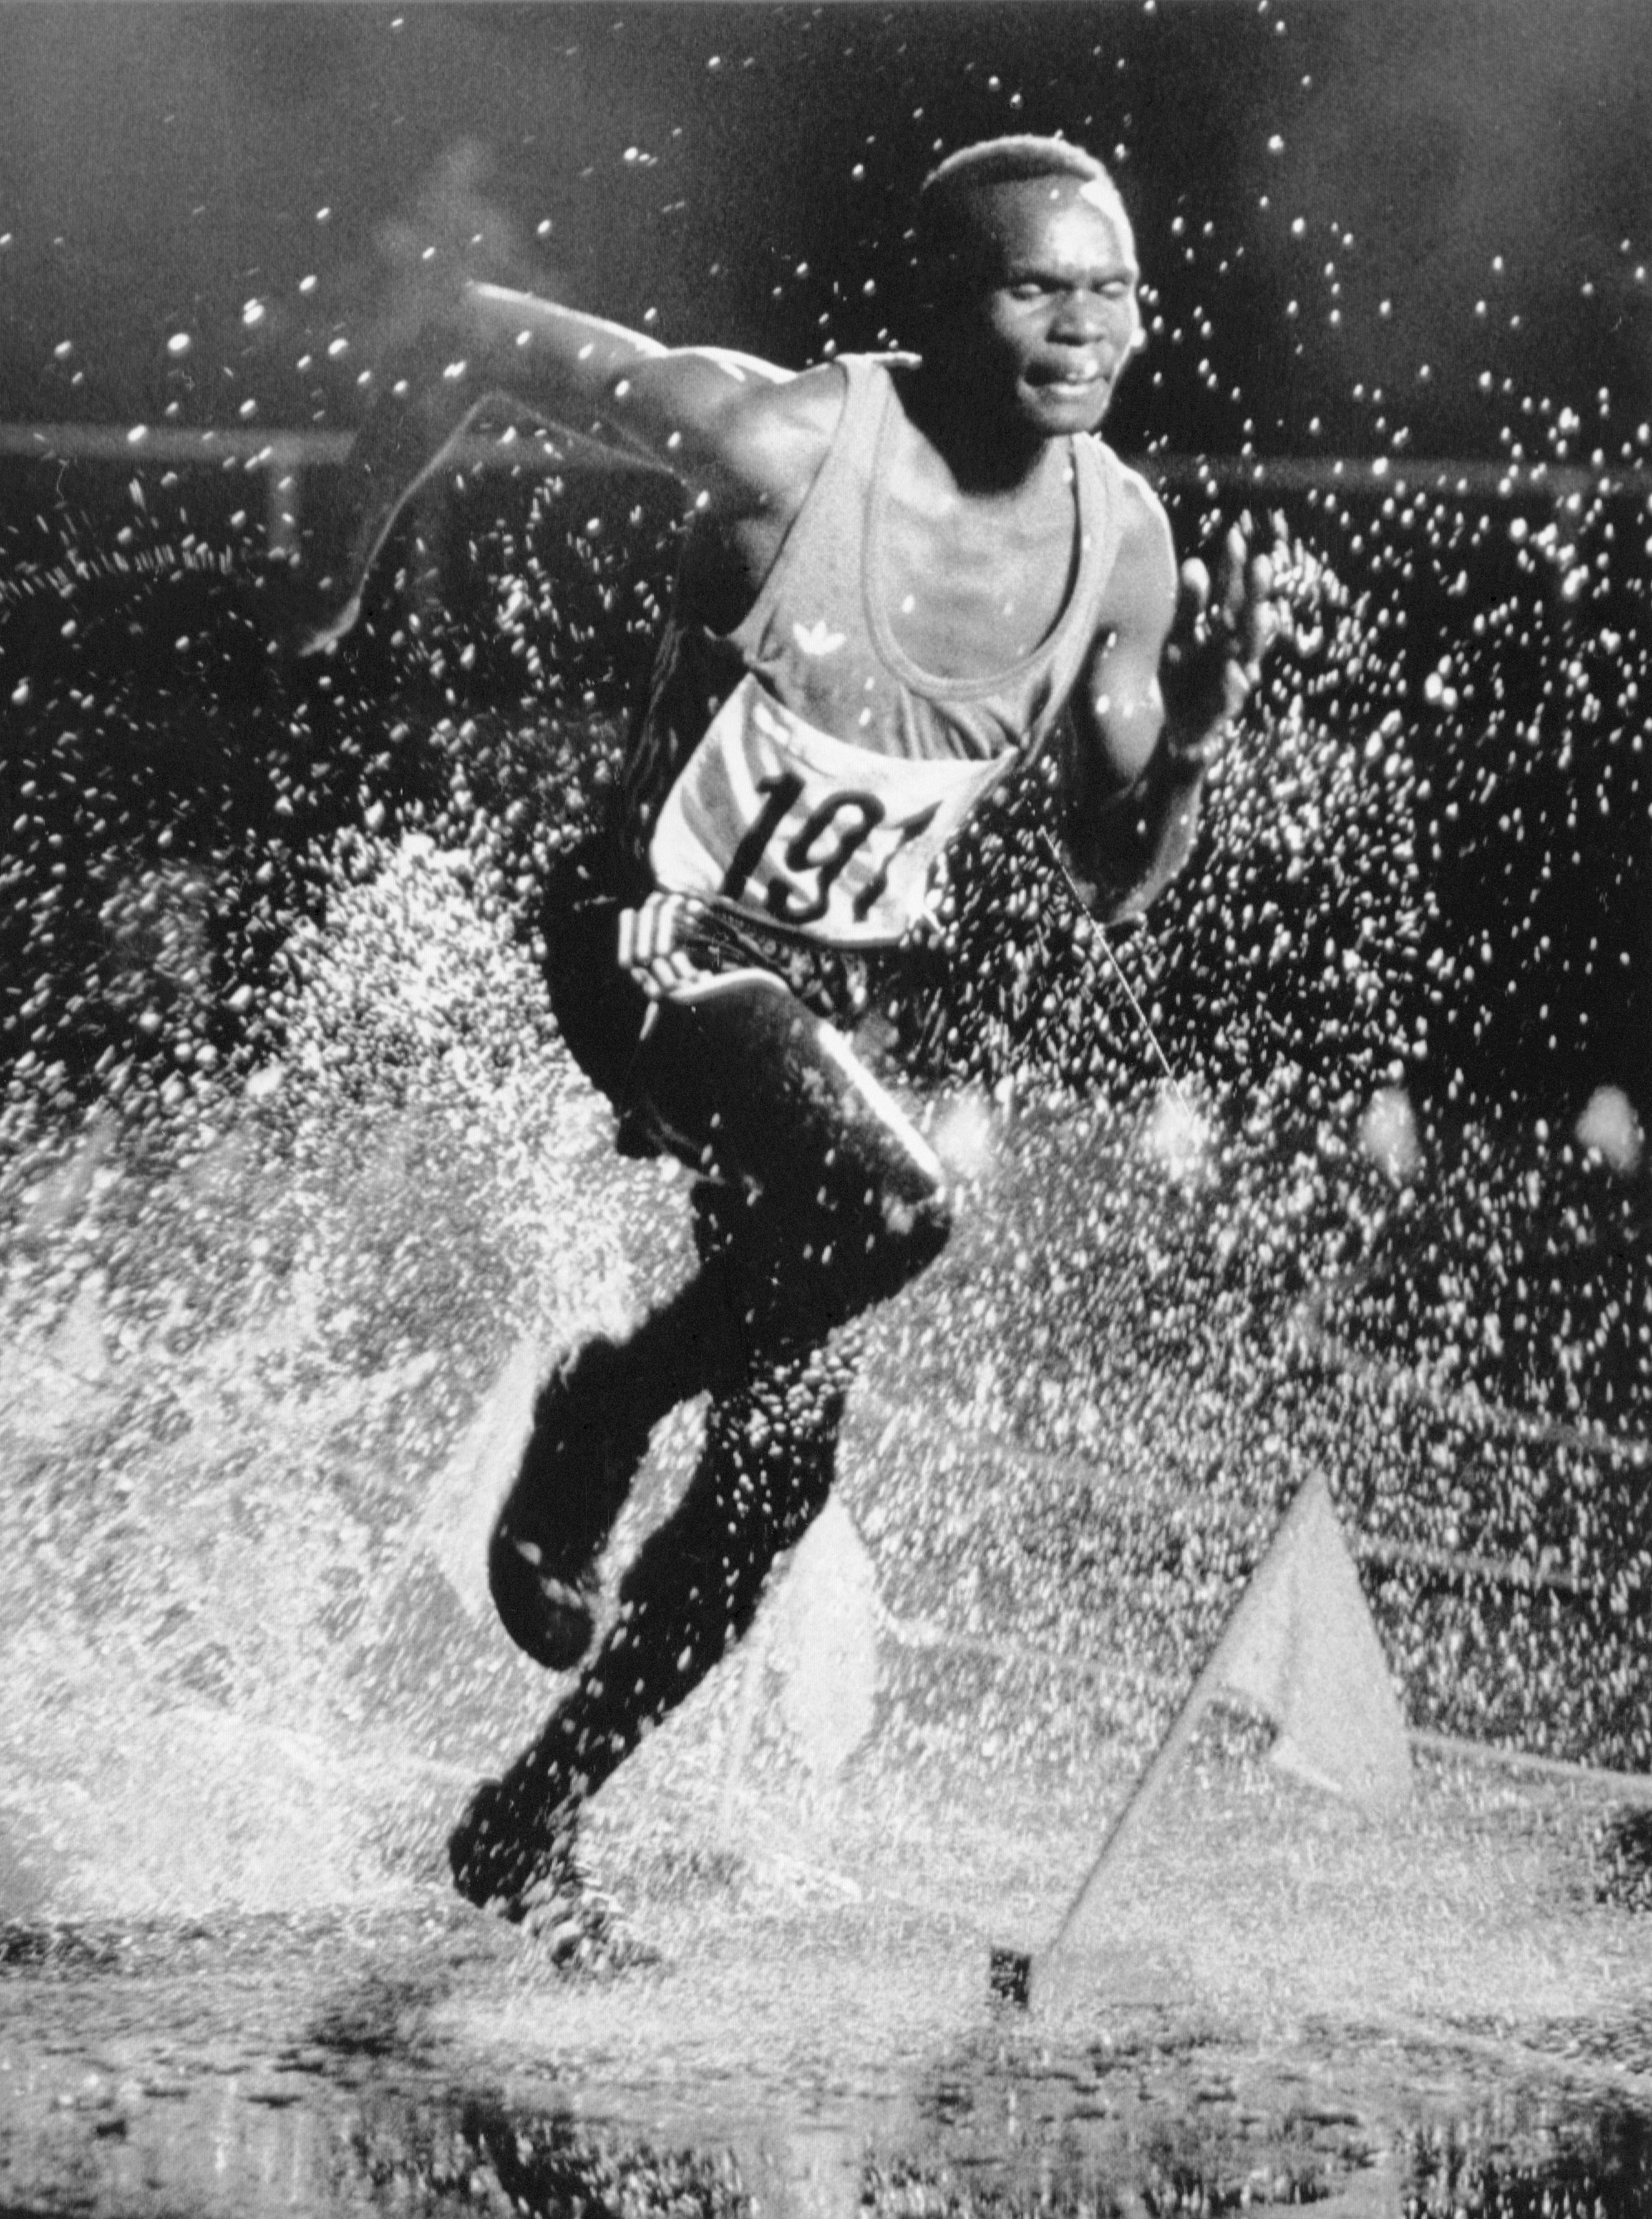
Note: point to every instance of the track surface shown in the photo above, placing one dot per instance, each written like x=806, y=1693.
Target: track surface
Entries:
x=1293, y=2006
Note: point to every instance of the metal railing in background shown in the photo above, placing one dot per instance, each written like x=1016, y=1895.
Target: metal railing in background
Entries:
x=1465, y=1570
x=283, y=458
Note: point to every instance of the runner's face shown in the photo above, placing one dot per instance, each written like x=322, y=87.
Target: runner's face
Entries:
x=1056, y=318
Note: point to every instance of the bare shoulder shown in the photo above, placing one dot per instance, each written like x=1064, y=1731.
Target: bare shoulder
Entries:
x=773, y=437
x=1147, y=541
x=1141, y=589
x=746, y=436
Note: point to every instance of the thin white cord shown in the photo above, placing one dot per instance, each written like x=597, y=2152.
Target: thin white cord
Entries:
x=1130, y=994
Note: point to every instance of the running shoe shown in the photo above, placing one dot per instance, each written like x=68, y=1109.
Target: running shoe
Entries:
x=506, y=1859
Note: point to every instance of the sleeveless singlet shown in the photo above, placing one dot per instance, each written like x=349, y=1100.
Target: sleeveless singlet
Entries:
x=802, y=766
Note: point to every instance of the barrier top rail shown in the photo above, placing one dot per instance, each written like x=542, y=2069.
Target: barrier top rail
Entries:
x=286, y=452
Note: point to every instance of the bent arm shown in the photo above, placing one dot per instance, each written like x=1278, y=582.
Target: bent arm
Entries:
x=1131, y=783
x=1164, y=682
x=1126, y=847
x=616, y=387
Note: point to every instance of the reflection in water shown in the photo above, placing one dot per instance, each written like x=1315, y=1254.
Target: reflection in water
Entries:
x=261, y=2066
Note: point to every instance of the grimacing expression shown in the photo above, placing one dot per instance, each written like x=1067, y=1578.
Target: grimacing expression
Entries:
x=1053, y=303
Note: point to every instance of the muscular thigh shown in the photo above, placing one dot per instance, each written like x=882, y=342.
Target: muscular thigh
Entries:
x=746, y=1083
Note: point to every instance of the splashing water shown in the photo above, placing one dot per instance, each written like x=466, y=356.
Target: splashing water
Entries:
x=302, y=1193
x=245, y=1355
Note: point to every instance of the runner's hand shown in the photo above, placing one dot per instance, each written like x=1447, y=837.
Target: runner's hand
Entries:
x=650, y=945
x=1212, y=657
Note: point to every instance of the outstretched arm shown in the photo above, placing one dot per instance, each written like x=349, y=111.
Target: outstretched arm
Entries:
x=680, y=408
x=1165, y=684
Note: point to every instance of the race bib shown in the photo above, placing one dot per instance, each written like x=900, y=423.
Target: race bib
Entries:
x=830, y=840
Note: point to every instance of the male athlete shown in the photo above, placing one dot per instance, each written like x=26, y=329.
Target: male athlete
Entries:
x=901, y=577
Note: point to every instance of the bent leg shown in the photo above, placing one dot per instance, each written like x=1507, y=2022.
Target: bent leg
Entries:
x=592, y=1420
x=765, y=1470
x=743, y=1083
x=822, y=1199
x=835, y=1200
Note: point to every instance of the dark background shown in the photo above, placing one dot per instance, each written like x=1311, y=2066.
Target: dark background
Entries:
x=163, y=166
x=1374, y=232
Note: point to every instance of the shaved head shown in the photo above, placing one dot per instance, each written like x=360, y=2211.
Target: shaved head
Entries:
x=969, y=204
x=954, y=201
